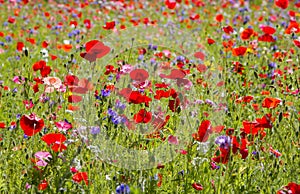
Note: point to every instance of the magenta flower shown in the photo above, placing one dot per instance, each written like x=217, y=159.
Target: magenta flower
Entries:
x=63, y=125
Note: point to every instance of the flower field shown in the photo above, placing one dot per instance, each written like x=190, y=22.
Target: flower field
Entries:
x=167, y=96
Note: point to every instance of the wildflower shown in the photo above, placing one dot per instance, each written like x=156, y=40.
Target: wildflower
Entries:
x=123, y=189
x=223, y=141
x=42, y=158
x=31, y=124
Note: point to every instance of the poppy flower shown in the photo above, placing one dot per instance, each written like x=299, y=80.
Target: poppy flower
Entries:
x=74, y=99
x=175, y=74
x=109, y=25
x=197, y=186
x=228, y=29
x=2, y=125
x=200, y=55
x=291, y=188
x=247, y=33
x=56, y=140
x=81, y=176
x=142, y=116
x=137, y=98
x=204, y=131
x=171, y=4
x=268, y=30
x=251, y=127
x=240, y=51
x=223, y=156
x=31, y=124
x=139, y=75
x=283, y=4
x=20, y=46
x=270, y=102
x=71, y=80
x=297, y=43
x=219, y=18
x=51, y=84
x=95, y=50
x=87, y=23
x=174, y=104
x=266, y=38
x=42, y=66
x=210, y=41
x=43, y=185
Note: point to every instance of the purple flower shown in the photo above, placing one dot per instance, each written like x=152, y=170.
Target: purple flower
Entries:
x=272, y=65
x=223, y=141
x=105, y=93
x=123, y=189
x=120, y=105
x=95, y=130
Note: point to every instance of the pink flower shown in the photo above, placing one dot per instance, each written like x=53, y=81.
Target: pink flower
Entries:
x=52, y=83
x=42, y=158
x=17, y=80
x=63, y=125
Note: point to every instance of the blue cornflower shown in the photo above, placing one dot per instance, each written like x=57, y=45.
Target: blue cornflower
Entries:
x=223, y=141
x=95, y=130
x=105, y=93
x=123, y=189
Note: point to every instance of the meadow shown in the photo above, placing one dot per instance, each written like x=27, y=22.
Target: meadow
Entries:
x=167, y=96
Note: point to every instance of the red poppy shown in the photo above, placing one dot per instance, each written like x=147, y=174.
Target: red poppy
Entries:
x=268, y=30
x=2, y=125
x=251, y=127
x=87, y=23
x=240, y=51
x=31, y=124
x=71, y=80
x=291, y=188
x=219, y=17
x=210, y=41
x=283, y=4
x=223, y=156
x=20, y=46
x=270, y=102
x=43, y=185
x=293, y=27
x=56, y=140
x=264, y=122
x=247, y=33
x=266, y=38
x=175, y=74
x=139, y=75
x=109, y=25
x=204, y=131
x=42, y=66
x=137, y=98
x=297, y=43
x=228, y=29
x=174, y=104
x=81, y=176
x=45, y=44
x=74, y=99
x=82, y=87
x=94, y=50
x=197, y=186
x=199, y=55
x=109, y=69
x=165, y=94
x=171, y=4
x=194, y=16
x=142, y=116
